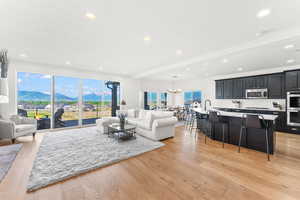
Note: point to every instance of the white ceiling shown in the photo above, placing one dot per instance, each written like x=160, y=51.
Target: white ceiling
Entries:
x=206, y=31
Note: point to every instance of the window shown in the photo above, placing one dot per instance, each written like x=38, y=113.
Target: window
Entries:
x=66, y=101
x=94, y=102
x=192, y=96
x=34, y=97
x=163, y=99
x=188, y=98
x=76, y=101
x=152, y=100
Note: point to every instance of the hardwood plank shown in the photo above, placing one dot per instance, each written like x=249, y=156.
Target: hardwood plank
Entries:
x=185, y=168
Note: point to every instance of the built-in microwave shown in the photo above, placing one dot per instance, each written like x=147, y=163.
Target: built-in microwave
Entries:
x=257, y=93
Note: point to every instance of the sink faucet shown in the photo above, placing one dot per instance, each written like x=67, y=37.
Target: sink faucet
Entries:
x=207, y=100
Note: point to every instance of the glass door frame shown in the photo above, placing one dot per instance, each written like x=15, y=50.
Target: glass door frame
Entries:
x=52, y=100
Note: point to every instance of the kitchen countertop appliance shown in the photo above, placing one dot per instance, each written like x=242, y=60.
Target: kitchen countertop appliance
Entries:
x=257, y=93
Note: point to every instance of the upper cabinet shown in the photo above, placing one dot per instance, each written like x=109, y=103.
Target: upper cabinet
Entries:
x=276, y=86
x=292, y=80
x=256, y=82
x=220, y=89
x=238, y=88
x=228, y=89
x=261, y=82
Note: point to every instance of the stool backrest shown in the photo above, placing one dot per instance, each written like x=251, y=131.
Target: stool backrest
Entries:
x=254, y=121
x=213, y=116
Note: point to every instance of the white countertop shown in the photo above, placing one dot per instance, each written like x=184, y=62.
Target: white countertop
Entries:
x=261, y=109
x=235, y=114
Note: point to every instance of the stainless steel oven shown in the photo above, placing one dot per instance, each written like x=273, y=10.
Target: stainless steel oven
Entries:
x=257, y=93
x=293, y=108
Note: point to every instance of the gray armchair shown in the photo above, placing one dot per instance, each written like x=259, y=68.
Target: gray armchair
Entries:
x=17, y=126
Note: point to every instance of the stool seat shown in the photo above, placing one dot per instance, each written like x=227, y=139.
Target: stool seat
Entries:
x=254, y=121
x=213, y=118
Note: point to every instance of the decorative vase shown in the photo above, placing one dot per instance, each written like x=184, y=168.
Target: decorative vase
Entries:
x=122, y=122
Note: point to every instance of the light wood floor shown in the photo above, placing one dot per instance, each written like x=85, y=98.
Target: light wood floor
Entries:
x=185, y=168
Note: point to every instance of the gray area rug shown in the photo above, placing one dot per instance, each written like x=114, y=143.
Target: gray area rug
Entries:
x=7, y=157
x=68, y=153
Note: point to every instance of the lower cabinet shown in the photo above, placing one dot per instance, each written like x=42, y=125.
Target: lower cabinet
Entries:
x=254, y=139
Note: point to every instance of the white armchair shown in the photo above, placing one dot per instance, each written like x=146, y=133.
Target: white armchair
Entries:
x=103, y=123
x=17, y=126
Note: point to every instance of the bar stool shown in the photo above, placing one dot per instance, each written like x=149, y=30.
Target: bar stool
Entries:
x=213, y=118
x=187, y=119
x=192, y=121
x=254, y=121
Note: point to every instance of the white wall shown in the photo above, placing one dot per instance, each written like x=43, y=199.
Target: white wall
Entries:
x=130, y=88
x=207, y=86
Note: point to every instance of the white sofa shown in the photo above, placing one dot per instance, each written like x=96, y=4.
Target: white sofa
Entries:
x=17, y=126
x=156, y=125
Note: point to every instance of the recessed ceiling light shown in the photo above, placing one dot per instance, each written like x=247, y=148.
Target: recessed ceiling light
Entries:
x=290, y=61
x=225, y=60
x=263, y=13
x=289, y=46
x=179, y=52
x=240, y=69
x=147, y=38
x=90, y=15
x=68, y=63
x=188, y=69
x=23, y=55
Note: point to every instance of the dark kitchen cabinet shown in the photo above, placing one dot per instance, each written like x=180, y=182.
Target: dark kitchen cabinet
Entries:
x=256, y=82
x=220, y=89
x=249, y=83
x=261, y=82
x=228, y=89
x=292, y=80
x=281, y=122
x=275, y=86
x=238, y=88
x=276, y=83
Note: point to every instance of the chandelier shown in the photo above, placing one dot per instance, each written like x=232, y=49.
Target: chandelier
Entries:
x=174, y=91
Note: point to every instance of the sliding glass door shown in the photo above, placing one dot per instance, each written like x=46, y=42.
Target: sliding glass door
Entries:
x=34, y=98
x=91, y=101
x=60, y=101
x=66, y=101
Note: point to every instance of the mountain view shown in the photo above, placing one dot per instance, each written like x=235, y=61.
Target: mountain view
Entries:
x=39, y=96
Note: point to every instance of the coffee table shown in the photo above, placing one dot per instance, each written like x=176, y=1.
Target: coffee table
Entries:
x=126, y=133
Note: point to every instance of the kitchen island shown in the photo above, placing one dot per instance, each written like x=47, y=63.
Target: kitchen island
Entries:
x=255, y=138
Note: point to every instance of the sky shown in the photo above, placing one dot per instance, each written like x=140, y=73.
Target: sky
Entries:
x=68, y=86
